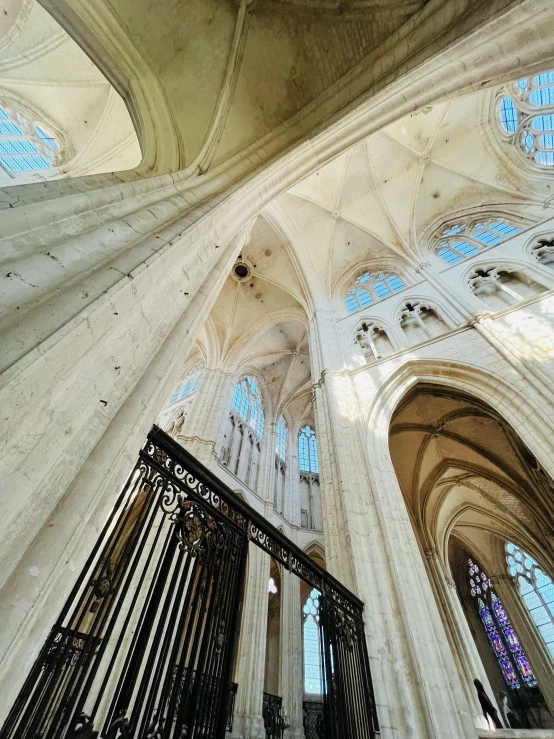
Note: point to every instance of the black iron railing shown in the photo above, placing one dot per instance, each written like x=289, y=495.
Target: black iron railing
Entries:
x=158, y=604
x=314, y=721
x=272, y=715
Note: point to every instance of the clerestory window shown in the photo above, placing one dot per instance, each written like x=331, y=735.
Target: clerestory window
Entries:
x=370, y=288
x=465, y=239
x=247, y=402
x=26, y=145
x=307, y=450
x=190, y=384
x=526, y=118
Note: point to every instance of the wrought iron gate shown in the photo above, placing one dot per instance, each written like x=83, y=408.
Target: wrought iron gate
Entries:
x=145, y=644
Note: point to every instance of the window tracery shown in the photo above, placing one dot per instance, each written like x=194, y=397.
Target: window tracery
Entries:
x=502, y=287
x=465, y=239
x=503, y=640
x=526, y=117
x=307, y=450
x=536, y=589
x=370, y=288
x=247, y=402
x=420, y=322
x=26, y=145
x=312, y=645
x=543, y=251
x=374, y=341
x=190, y=384
x=244, y=431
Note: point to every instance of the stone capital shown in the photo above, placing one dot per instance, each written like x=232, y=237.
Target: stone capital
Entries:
x=478, y=317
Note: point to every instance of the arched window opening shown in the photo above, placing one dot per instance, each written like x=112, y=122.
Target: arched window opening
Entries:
x=536, y=590
x=463, y=240
x=307, y=450
x=174, y=415
x=373, y=341
x=501, y=288
x=420, y=322
x=26, y=145
x=526, y=118
x=280, y=466
x=247, y=402
x=370, y=288
x=313, y=665
x=503, y=640
x=308, y=463
x=543, y=252
x=272, y=677
x=190, y=384
x=244, y=430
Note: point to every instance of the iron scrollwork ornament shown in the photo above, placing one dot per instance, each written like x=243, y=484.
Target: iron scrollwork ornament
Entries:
x=346, y=629
x=196, y=530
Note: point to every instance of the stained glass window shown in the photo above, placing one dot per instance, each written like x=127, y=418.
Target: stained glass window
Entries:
x=190, y=384
x=281, y=443
x=501, y=635
x=521, y=123
x=536, y=589
x=370, y=288
x=25, y=145
x=464, y=240
x=312, y=645
x=307, y=450
x=247, y=402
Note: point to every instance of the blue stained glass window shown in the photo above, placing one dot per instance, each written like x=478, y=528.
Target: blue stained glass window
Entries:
x=508, y=115
x=247, y=402
x=190, y=384
x=307, y=450
x=536, y=589
x=463, y=240
x=281, y=439
x=375, y=287
x=25, y=147
x=520, y=119
x=313, y=682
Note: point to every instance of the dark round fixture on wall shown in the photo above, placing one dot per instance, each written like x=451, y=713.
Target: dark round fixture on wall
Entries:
x=241, y=271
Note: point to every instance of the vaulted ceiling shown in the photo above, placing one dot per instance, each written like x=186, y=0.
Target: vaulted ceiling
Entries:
x=378, y=200
x=42, y=66
x=464, y=472
x=260, y=324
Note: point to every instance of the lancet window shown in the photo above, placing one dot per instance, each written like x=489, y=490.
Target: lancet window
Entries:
x=370, y=288
x=421, y=322
x=280, y=464
x=526, y=118
x=500, y=288
x=465, y=239
x=308, y=462
x=543, y=251
x=536, y=590
x=173, y=418
x=190, y=384
x=373, y=340
x=26, y=145
x=244, y=432
x=312, y=645
x=507, y=649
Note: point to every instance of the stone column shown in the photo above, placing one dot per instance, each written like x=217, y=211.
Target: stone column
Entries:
x=292, y=483
x=371, y=546
x=200, y=430
x=291, y=654
x=250, y=670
